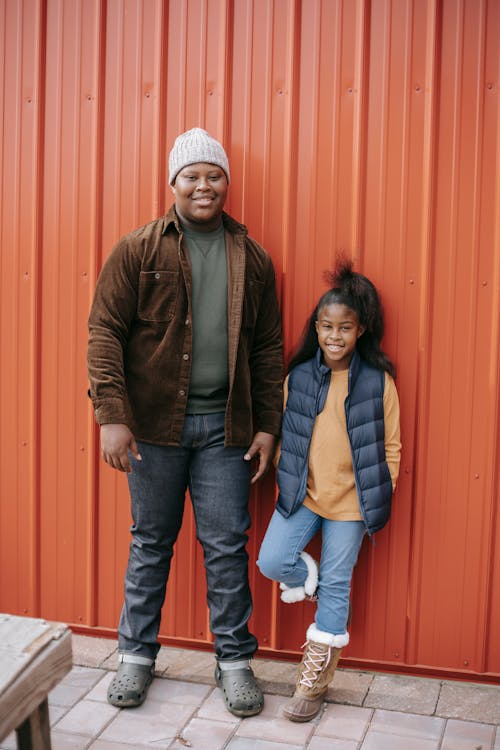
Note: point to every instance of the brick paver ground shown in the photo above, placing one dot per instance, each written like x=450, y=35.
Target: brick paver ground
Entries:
x=364, y=711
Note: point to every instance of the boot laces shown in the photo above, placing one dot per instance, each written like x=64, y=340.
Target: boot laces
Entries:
x=316, y=658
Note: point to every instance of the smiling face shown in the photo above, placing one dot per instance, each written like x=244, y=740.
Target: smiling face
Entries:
x=200, y=193
x=338, y=330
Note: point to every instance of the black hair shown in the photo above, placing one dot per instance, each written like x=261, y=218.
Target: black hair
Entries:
x=359, y=294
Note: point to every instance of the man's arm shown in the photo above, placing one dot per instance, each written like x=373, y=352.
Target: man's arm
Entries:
x=266, y=368
x=266, y=360
x=112, y=312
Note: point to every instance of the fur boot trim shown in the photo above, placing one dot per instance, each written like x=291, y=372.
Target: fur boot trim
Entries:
x=299, y=593
x=292, y=595
x=311, y=582
x=327, y=639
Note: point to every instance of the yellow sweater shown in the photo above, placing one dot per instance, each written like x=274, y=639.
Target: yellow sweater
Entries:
x=331, y=490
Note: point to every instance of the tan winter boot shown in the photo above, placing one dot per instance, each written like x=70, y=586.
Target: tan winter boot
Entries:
x=319, y=661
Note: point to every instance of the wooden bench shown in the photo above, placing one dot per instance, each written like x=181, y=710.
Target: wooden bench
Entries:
x=34, y=656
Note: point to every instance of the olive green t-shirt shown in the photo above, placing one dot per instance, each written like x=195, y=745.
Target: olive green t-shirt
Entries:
x=209, y=383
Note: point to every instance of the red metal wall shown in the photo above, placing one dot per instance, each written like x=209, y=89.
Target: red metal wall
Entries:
x=370, y=126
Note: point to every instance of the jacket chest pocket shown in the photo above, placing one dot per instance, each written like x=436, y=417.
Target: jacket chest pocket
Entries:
x=157, y=295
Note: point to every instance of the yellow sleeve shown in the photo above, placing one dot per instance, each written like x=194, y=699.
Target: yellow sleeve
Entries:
x=278, y=446
x=392, y=429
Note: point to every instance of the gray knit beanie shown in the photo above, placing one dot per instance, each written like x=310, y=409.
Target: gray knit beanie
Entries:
x=195, y=146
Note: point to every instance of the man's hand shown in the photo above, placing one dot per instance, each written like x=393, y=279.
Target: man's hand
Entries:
x=263, y=445
x=116, y=442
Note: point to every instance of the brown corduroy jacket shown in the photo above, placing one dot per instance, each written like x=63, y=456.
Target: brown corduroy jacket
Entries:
x=140, y=335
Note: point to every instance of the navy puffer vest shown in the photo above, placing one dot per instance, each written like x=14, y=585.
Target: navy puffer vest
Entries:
x=308, y=385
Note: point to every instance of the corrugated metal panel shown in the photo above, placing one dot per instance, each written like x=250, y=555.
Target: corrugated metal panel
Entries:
x=23, y=45
x=370, y=127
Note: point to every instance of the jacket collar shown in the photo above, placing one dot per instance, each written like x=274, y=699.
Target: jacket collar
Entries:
x=321, y=367
x=230, y=224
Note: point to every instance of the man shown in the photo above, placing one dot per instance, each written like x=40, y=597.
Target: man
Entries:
x=185, y=369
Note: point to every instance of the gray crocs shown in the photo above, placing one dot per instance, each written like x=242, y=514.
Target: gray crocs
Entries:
x=130, y=685
x=242, y=695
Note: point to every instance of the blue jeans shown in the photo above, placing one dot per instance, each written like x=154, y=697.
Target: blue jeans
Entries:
x=279, y=559
x=219, y=483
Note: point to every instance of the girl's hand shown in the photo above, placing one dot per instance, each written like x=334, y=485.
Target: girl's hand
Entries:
x=263, y=445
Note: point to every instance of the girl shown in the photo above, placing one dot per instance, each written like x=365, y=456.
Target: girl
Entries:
x=338, y=465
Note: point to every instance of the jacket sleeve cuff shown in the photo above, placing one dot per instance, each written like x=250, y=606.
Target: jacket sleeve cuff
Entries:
x=269, y=422
x=111, y=411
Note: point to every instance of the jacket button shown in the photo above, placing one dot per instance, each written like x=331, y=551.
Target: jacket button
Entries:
x=182, y=393
x=187, y=321
x=185, y=356
x=157, y=275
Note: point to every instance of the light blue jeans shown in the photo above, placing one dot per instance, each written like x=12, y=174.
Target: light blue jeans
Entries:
x=279, y=559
